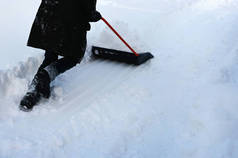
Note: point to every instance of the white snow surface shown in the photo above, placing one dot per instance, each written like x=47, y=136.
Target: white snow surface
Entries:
x=181, y=104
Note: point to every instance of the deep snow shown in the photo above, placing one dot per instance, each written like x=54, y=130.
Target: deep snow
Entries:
x=181, y=104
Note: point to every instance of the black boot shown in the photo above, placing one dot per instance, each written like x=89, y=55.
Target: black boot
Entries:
x=39, y=88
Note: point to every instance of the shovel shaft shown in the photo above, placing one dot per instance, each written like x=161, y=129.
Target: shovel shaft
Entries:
x=119, y=36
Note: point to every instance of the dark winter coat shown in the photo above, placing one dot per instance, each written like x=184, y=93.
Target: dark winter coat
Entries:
x=61, y=26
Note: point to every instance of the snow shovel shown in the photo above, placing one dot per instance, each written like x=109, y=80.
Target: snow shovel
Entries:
x=118, y=55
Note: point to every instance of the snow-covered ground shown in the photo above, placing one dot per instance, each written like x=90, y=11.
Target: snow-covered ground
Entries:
x=183, y=103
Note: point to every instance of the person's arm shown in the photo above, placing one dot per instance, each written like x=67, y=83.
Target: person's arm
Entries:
x=91, y=5
x=93, y=14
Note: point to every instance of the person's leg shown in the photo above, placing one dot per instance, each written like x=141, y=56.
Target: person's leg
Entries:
x=41, y=82
x=60, y=66
x=51, y=68
x=40, y=85
x=39, y=88
x=50, y=57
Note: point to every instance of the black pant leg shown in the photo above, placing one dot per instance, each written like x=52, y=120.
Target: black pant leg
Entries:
x=50, y=57
x=60, y=66
x=65, y=64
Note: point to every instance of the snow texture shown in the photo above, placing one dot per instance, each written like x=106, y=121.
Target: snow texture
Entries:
x=181, y=104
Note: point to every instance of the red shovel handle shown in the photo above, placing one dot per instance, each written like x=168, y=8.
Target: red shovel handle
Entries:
x=119, y=36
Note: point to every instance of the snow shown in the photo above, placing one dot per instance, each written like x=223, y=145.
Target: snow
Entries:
x=180, y=104
x=16, y=20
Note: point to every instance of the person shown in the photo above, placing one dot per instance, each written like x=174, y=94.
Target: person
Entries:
x=60, y=28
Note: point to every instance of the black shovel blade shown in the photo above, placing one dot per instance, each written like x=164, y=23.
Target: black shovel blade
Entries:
x=121, y=56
